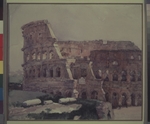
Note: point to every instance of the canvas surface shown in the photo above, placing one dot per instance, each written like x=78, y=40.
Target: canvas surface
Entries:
x=75, y=62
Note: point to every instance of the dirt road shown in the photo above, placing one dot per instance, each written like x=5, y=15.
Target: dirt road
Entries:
x=130, y=113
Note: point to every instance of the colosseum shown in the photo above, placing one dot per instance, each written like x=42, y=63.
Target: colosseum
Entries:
x=105, y=70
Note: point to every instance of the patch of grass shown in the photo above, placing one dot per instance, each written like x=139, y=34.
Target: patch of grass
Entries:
x=16, y=104
x=88, y=109
x=48, y=116
x=54, y=98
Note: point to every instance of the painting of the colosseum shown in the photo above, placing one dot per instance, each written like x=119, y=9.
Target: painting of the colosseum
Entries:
x=62, y=79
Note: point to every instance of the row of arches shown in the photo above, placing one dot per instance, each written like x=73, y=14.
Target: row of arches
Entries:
x=102, y=56
x=93, y=95
x=124, y=99
x=67, y=93
x=39, y=55
x=132, y=57
x=42, y=72
x=123, y=76
x=116, y=99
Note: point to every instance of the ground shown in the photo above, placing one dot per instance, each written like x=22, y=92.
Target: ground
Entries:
x=21, y=96
x=19, y=113
x=130, y=113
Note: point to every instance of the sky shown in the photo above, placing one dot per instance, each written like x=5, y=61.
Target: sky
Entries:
x=148, y=9
x=77, y=22
x=148, y=14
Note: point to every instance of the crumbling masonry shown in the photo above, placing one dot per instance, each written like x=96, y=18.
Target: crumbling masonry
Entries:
x=104, y=70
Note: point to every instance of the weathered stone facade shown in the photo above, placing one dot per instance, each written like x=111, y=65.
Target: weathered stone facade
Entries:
x=121, y=71
x=44, y=67
x=105, y=70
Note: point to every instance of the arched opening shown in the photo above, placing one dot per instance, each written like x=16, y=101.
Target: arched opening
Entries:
x=58, y=72
x=133, y=99
x=115, y=100
x=83, y=95
x=33, y=56
x=124, y=99
x=44, y=91
x=30, y=73
x=26, y=74
x=69, y=50
x=38, y=56
x=33, y=73
x=94, y=95
x=44, y=55
x=58, y=93
x=72, y=65
x=139, y=99
x=75, y=73
x=44, y=72
x=132, y=57
x=39, y=75
x=52, y=93
x=106, y=79
x=115, y=63
x=68, y=94
x=124, y=76
x=139, y=76
x=30, y=37
x=28, y=57
x=115, y=77
x=51, y=72
x=132, y=76
x=39, y=34
x=83, y=72
x=107, y=97
x=97, y=76
x=51, y=54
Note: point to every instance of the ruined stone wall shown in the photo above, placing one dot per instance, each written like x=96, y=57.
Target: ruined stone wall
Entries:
x=42, y=62
x=90, y=89
x=52, y=86
x=116, y=65
x=46, y=69
x=83, y=48
x=80, y=68
x=121, y=72
x=115, y=93
x=36, y=33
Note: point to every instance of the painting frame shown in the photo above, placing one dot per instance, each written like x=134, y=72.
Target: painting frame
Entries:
x=6, y=61
x=147, y=37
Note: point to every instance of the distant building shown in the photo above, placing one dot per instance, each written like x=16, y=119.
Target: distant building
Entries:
x=104, y=70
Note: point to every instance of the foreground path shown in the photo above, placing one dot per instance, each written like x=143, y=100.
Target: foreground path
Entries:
x=130, y=113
